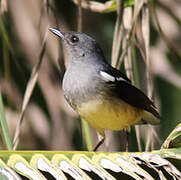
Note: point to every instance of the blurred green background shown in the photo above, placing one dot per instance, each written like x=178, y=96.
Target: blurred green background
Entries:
x=49, y=123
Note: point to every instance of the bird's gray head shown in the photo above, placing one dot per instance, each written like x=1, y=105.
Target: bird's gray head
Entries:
x=79, y=46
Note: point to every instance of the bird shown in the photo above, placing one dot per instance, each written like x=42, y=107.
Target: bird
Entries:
x=101, y=94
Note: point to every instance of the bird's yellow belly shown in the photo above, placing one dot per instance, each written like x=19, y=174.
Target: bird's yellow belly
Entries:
x=103, y=115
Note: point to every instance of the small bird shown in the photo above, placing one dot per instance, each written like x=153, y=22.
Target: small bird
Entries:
x=98, y=92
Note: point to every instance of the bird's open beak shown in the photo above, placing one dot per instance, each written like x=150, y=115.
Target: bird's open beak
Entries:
x=57, y=32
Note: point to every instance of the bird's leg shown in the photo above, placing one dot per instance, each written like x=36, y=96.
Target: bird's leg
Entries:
x=99, y=144
x=127, y=141
x=127, y=131
x=101, y=138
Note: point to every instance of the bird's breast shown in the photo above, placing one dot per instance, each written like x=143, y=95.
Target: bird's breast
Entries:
x=109, y=114
x=79, y=86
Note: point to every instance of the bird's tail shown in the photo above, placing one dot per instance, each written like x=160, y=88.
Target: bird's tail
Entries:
x=150, y=118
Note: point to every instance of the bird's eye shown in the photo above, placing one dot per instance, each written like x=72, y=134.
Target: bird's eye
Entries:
x=74, y=39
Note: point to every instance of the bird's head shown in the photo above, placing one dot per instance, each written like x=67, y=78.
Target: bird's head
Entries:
x=78, y=45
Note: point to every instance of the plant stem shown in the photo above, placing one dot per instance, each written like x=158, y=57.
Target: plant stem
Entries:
x=4, y=127
x=85, y=128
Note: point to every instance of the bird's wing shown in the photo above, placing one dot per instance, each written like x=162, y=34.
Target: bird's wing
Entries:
x=121, y=87
x=116, y=74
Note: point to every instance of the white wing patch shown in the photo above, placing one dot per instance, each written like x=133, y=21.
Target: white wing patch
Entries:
x=120, y=79
x=107, y=77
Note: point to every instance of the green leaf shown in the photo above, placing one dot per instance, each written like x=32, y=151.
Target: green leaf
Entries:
x=3, y=177
x=174, y=139
x=92, y=165
x=113, y=7
x=107, y=7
